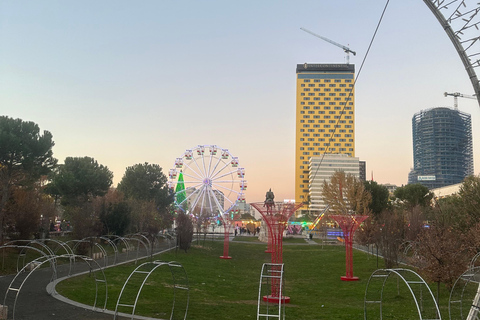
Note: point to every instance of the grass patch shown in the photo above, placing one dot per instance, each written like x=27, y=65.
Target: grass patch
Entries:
x=247, y=239
x=228, y=289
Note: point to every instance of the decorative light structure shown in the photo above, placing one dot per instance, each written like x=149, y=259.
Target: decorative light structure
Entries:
x=276, y=216
x=348, y=224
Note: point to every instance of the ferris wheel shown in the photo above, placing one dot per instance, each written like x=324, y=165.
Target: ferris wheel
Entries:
x=207, y=181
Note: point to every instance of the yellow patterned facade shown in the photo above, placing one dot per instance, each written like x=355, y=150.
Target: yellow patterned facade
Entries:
x=325, y=117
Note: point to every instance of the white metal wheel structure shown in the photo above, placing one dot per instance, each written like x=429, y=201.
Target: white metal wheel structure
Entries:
x=460, y=19
x=207, y=181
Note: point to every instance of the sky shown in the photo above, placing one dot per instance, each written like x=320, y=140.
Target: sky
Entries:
x=129, y=82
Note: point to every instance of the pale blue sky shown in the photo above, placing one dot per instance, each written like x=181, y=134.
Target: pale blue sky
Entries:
x=130, y=82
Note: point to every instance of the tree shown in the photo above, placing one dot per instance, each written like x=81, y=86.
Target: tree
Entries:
x=379, y=195
x=391, y=236
x=184, y=231
x=414, y=194
x=79, y=180
x=145, y=186
x=28, y=213
x=346, y=194
x=115, y=213
x=146, y=182
x=442, y=255
x=25, y=155
x=470, y=198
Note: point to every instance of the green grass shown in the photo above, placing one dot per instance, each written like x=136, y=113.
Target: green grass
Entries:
x=246, y=239
x=228, y=289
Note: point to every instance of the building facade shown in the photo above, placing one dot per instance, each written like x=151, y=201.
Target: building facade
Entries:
x=325, y=117
x=322, y=169
x=442, y=147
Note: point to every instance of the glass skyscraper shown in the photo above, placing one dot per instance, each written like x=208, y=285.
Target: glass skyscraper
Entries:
x=442, y=147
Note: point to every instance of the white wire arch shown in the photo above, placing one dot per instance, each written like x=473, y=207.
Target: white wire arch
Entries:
x=417, y=287
x=465, y=295
x=180, y=282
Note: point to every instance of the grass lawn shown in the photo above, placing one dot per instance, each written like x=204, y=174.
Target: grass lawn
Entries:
x=228, y=289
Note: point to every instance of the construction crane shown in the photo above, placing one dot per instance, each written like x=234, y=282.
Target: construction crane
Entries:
x=346, y=49
x=455, y=97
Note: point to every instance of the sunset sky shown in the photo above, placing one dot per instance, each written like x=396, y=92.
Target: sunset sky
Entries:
x=131, y=82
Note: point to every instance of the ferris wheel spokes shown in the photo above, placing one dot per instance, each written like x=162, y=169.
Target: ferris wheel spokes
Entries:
x=225, y=165
x=193, y=170
x=213, y=181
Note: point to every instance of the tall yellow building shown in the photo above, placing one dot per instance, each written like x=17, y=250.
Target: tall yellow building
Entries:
x=325, y=117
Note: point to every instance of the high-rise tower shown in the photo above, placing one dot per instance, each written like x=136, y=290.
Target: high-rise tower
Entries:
x=325, y=117
x=442, y=147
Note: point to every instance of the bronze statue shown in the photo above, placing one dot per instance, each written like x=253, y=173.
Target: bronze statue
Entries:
x=269, y=196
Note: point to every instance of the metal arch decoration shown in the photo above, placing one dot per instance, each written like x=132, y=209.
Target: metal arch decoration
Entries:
x=22, y=276
x=100, y=248
x=420, y=291
x=138, y=246
x=461, y=21
x=127, y=245
x=168, y=237
x=180, y=282
x=147, y=243
x=465, y=296
x=28, y=245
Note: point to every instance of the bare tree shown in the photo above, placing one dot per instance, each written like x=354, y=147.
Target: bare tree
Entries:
x=391, y=235
x=442, y=254
x=345, y=194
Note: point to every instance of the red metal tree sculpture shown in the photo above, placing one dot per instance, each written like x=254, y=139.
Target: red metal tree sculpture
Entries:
x=348, y=223
x=228, y=220
x=276, y=215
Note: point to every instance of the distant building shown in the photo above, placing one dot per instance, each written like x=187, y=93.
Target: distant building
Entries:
x=391, y=188
x=325, y=117
x=442, y=147
x=322, y=169
x=446, y=191
x=362, y=170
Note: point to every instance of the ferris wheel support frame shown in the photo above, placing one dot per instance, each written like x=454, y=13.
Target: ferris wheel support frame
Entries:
x=455, y=36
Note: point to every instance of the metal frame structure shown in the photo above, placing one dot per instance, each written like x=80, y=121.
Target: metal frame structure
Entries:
x=97, y=245
x=228, y=220
x=276, y=217
x=348, y=224
x=271, y=272
x=22, y=276
x=460, y=19
x=465, y=296
x=145, y=270
x=420, y=291
x=213, y=184
x=442, y=147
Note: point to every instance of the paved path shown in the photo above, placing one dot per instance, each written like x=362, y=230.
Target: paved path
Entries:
x=34, y=302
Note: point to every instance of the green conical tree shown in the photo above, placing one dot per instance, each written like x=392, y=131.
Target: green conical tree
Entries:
x=181, y=197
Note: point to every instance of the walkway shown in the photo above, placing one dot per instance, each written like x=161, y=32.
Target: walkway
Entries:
x=35, y=303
